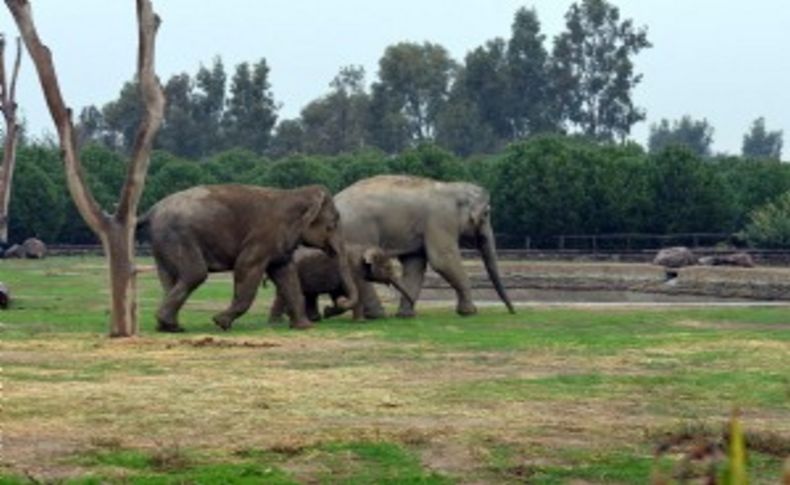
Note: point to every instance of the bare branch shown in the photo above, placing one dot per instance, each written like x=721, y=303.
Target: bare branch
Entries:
x=154, y=105
x=15, y=74
x=61, y=115
x=3, y=90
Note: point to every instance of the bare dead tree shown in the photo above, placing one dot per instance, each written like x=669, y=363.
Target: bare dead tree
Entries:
x=116, y=231
x=8, y=108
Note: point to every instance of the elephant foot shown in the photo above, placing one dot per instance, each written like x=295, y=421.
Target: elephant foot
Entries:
x=301, y=325
x=333, y=311
x=406, y=313
x=223, y=321
x=466, y=308
x=169, y=328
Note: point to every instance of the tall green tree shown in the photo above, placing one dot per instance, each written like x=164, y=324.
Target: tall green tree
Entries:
x=288, y=138
x=209, y=105
x=413, y=86
x=251, y=111
x=336, y=123
x=122, y=116
x=696, y=135
x=532, y=108
x=761, y=143
x=181, y=132
x=593, y=69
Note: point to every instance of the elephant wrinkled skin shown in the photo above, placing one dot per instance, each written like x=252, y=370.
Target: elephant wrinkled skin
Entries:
x=421, y=221
x=247, y=229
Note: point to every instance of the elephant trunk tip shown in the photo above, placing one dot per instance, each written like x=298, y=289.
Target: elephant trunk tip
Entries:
x=345, y=303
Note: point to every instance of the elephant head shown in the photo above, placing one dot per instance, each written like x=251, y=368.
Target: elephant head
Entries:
x=476, y=227
x=321, y=229
x=377, y=266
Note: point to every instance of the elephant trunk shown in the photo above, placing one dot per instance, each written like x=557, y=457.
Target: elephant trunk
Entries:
x=352, y=296
x=487, y=247
x=402, y=290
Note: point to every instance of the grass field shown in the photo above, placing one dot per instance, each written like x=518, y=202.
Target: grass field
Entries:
x=544, y=396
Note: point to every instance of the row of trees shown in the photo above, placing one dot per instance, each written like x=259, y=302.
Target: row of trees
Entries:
x=697, y=136
x=505, y=90
x=549, y=185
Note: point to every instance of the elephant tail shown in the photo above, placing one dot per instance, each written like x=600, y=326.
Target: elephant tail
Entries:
x=143, y=223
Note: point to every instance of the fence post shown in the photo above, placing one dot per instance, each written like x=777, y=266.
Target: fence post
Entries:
x=528, y=242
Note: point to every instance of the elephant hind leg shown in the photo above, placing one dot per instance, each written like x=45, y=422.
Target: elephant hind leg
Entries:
x=178, y=286
x=277, y=310
x=166, y=278
x=247, y=276
x=311, y=307
x=413, y=276
x=286, y=279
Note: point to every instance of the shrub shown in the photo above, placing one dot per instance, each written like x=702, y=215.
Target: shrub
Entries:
x=769, y=226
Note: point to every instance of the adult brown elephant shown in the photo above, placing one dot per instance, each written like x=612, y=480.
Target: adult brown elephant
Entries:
x=250, y=230
x=421, y=221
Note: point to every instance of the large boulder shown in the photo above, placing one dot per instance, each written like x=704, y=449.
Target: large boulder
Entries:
x=5, y=296
x=15, y=251
x=743, y=260
x=34, y=248
x=676, y=257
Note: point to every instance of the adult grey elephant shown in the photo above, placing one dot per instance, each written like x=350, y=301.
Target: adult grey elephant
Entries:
x=250, y=230
x=421, y=221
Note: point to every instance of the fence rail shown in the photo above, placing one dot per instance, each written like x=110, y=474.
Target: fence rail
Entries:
x=767, y=257
x=625, y=241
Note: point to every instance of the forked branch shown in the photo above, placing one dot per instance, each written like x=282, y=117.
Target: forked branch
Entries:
x=61, y=115
x=153, y=111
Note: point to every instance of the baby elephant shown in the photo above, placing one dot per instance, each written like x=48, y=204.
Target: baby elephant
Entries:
x=318, y=274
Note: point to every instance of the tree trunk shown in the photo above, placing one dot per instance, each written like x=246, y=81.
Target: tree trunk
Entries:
x=116, y=231
x=7, y=177
x=8, y=108
x=118, y=243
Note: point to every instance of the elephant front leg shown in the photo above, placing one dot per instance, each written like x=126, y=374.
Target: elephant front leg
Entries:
x=247, y=276
x=311, y=307
x=286, y=278
x=278, y=309
x=413, y=276
x=371, y=304
x=446, y=260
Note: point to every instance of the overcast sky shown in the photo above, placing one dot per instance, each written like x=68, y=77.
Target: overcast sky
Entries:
x=724, y=60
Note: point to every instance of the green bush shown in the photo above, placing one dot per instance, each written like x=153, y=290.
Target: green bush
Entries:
x=298, y=171
x=37, y=207
x=428, y=160
x=769, y=226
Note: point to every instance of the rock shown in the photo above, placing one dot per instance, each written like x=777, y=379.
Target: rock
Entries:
x=5, y=296
x=743, y=260
x=15, y=251
x=676, y=257
x=34, y=248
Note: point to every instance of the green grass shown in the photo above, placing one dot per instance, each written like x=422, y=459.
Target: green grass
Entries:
x=549, y=395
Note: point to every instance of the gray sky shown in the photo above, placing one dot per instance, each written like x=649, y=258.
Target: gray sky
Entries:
x=724, y=60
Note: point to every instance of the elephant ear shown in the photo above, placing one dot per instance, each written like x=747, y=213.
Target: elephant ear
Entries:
x=371, y=254
x=318, y=198
x=373, y=260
